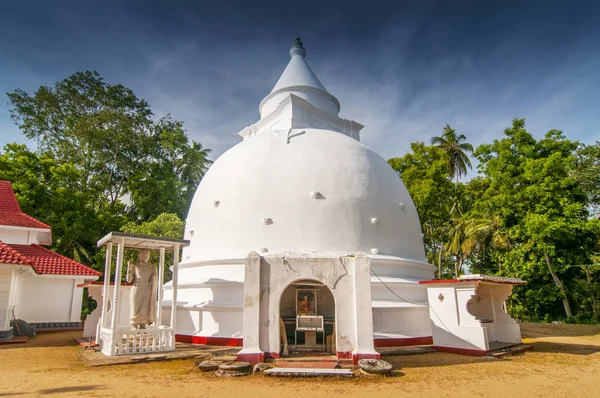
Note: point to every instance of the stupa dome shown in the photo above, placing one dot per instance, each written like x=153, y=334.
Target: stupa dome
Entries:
x=302, y=190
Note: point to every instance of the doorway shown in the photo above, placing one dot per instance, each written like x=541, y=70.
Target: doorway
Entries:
x=307, y=298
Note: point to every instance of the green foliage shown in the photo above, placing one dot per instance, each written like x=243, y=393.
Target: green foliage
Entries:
x=457, y=149
x=105, y=138
x=101, y=162
x=166, y=225
x=526, y=215
x=587, y=173
x=425, y=174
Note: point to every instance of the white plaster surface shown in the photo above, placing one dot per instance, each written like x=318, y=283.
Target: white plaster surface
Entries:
x=90, y=327
x=471, y=315
x=299, y=148
x=50, y=300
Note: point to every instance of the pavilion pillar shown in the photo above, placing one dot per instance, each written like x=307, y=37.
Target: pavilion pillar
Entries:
x=118, y=275
x=161, y=281
x=251, y=351
x=12, y=292
x=175, y=278
x=363, y=320
x=106, y=287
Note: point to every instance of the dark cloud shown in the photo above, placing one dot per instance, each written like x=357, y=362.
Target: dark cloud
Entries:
x=402, y=68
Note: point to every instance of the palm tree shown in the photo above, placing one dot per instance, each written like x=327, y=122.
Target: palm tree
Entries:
x=457, y=150
x=488, y=233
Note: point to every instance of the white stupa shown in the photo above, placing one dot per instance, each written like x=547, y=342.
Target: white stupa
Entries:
x=301, y=208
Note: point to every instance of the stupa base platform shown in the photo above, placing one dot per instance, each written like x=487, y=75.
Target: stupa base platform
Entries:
x=93, y=357
x=497, y=350
x=304, y=372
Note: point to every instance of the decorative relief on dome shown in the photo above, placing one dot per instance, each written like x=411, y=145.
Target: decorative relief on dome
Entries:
x=263, y=250
x=375, y=221
x=401, y=205
x=374, y=250
x=267, y=221
x=191, y=232
x=316, y=195
x=216, y=203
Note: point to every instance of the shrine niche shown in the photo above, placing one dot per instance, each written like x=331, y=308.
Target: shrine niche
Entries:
x=307, y=311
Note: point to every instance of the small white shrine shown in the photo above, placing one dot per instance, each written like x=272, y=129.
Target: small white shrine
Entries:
x=300, y=234
x=145, y=335
x=468, y=314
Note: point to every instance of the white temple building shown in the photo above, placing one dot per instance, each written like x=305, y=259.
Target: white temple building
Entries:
x=302, y=224
x=37, y=285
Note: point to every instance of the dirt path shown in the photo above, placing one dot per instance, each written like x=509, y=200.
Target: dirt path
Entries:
x=565, y=362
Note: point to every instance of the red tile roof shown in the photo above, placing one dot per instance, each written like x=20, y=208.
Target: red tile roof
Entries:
x=10, y=212
x=8, y=255
x=42, y=260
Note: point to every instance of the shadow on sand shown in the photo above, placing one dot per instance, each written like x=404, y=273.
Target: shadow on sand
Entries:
x=540, y=330
x=562, y=348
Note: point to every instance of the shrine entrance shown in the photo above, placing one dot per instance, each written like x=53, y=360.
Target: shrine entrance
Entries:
x=307, y=318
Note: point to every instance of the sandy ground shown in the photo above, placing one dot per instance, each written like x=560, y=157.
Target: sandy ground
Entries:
x=565, y=363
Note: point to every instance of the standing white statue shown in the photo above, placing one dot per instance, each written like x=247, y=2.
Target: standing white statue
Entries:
x=143, y=294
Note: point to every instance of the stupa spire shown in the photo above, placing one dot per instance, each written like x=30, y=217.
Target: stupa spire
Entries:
x=299, y=79
x=297, y=47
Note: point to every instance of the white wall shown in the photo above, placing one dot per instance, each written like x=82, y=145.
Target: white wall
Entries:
x=49, y=300
x=91, y=322
x=5, y=280
x=15, y=236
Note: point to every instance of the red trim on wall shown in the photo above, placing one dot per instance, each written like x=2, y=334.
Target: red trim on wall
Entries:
x=209, y=340
x=461, y=351
x=424, y=340
x=344, y=354
x=272, y=355
x=252, y=358
x=357, y=357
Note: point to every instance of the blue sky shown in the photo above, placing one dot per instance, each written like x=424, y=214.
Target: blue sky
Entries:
x=401, y=68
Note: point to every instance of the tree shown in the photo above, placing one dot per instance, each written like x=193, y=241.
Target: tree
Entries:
x=457, y=150
x=587, y=173
x=101, y=161
x=166, y=225
x=173, y=166
x=424, y=173
x=107, y=135
x=50, y=192
x=529, y=185
x=98, y=128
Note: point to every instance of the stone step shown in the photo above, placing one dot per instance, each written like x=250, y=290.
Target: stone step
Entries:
x=315, y=358
x=514, y=350
x=307, y=365
x=303, y=372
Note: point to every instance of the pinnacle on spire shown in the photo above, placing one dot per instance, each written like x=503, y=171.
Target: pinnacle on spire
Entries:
x=297, y=47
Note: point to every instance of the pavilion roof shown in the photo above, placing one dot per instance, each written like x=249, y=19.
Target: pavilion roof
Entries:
x=11, y=213
x=43, y=261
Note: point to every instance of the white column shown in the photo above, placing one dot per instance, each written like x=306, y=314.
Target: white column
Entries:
x=118, y=271
x=365, y=347
x=161, y=281
x=105, y=290
x=251, y=351
x=175, y=275
x=12, y=290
